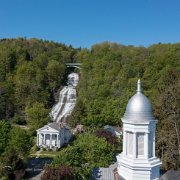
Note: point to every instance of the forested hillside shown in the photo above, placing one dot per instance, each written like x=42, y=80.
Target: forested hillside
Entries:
x=32, y=71
x=108, y=79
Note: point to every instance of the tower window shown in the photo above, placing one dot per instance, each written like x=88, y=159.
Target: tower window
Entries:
x=140, y=144
x=150, y=144
x=129, y=143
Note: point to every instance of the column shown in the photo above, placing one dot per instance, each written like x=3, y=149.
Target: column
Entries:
x=146, y=146
x=37, y=139
x=57, y=141
x=50, y=145
x=44, y=139
x=153, y=139
x=62, y=136
x=124, y=143
x=40, y=139
x=60, y=139
x=134, y=146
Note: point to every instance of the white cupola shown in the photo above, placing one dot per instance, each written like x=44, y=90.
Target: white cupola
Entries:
x=138, y=160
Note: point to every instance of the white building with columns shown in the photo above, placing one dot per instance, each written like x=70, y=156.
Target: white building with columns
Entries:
x=53, y=135
x=138, y=160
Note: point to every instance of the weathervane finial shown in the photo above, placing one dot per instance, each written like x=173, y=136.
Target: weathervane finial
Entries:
x=139, y=86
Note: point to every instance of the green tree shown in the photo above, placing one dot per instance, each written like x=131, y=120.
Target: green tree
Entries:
x=37, y=115
x=10, y=162
x=5, y=128
x=55, y=73
x=21, y=141
x=168, y=112
x=77, y=114
x=30, y=71
x=87, y=152
x=61, y=173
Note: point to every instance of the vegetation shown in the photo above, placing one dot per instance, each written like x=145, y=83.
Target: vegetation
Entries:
x=87, y=152
x=16, y=144
x=62, y=172
x=5, y=128
x=32, y=72
x=37, y=116
x=108, y=79
x=11, y=163
x=168, y=140
x=110, y=138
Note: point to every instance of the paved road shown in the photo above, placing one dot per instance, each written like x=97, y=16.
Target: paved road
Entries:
x=35, y=167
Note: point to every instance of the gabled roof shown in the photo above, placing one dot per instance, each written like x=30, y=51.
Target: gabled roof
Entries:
x=53, y=125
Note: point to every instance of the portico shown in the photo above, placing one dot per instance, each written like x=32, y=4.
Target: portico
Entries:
x=48, y=139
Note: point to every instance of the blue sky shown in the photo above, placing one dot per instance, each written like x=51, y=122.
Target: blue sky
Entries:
x=83, y=23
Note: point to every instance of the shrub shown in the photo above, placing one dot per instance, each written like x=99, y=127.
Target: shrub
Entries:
x=61, y=172
x=110, y=138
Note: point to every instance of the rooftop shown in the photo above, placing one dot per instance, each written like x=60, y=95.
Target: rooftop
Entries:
x=170, y=175
x=102, y=173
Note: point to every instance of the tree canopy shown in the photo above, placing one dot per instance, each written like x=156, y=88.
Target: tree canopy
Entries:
x=108, y=79
x=87, y=152
x=32, y=72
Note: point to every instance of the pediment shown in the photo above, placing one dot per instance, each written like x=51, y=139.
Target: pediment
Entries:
x=47, y=129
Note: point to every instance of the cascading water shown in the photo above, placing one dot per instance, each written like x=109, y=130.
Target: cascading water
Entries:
x=67, y=99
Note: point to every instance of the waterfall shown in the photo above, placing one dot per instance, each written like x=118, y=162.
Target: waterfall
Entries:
x=67, y=99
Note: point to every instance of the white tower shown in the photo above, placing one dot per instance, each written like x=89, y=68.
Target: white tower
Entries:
x=138, y=160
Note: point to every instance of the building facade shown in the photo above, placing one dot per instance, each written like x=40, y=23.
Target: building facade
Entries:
x=138, y=160
x=53, y=135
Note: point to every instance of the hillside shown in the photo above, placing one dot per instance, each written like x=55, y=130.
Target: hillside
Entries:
x=108, y=79
x=33, y=71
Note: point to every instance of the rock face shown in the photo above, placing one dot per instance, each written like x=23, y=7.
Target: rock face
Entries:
x=67, y=99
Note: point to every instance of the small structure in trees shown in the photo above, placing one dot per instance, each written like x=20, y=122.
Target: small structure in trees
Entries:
x=116, y=131
x=78, y=129
x=53, y=135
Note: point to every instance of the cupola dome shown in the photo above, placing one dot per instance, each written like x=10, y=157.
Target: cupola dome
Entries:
x=139, y=108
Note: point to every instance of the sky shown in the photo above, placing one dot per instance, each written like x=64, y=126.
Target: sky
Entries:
x=83, y=23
